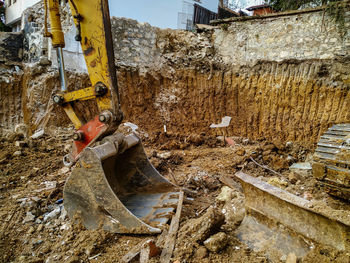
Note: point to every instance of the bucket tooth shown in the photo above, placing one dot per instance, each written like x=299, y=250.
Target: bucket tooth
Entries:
x=114, y=186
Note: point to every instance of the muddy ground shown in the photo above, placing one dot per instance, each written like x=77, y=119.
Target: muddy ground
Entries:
x=35, y=227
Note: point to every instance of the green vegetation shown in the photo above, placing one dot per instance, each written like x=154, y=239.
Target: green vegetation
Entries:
x=284, y=5
x=335, y=9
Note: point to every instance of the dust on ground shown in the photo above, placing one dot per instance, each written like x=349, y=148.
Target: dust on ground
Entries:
x=35, y=226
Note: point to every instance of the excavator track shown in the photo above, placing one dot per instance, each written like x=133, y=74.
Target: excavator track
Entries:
x=332, y=161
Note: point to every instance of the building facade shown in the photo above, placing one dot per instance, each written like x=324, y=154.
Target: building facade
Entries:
x=14, y=11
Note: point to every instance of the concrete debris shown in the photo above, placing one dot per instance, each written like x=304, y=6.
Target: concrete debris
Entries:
x=28, y=218
x=289, y=144
x=63, y=214
x=245, y=141
x=301, y=166
x=302, y=169
x=21, y=129
x=49, y=185
x=38, y=134
x=225, y=122
x=17, y=153
x=201, y=253
x=53, y=214
x=225, y=194
x=196, y=230
x=216, y=242
x=164, y=155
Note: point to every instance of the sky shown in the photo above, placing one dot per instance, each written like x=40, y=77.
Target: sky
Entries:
x=161, y=13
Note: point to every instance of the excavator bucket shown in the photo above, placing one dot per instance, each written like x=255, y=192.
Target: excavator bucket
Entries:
x=114, y=186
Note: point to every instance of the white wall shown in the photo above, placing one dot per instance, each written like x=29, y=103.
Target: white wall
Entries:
x=14, y=11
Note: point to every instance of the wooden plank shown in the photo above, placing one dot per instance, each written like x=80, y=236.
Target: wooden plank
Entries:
x=135, y=251
x=168, y=249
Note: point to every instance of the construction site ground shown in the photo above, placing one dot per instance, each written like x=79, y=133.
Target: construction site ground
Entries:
x=35, y=227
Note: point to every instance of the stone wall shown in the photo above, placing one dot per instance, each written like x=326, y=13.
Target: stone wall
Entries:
x=300, y=36
x=38, y=48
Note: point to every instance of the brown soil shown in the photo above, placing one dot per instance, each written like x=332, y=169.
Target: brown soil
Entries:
x=195, y=162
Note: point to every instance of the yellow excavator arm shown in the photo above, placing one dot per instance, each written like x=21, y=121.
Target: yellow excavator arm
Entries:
x=112, y=185
x=93, y=25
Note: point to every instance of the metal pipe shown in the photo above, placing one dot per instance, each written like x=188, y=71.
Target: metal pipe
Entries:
x=63, y=77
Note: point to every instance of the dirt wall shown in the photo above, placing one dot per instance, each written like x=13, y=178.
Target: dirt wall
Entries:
x=184, y=80
x=280, y=102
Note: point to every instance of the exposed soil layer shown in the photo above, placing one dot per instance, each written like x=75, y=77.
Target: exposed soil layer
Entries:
x=279, y=102
x=35, y=228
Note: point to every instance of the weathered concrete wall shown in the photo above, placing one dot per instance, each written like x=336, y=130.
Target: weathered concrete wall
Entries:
x=11, y=47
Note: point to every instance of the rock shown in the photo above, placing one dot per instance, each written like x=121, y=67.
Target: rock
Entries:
x=67, y=147
x=289, y=145
x=277, y=182
x=201, y=253
x=20, y=144
x=216, y=242
x=225, y=194
x=17, y=153
x=245, y=141
x=64, y=170
x=293, y=177
x=21, y=129
x=40, y=227
x=63, y=215
x=196, y=231
x=31, y=230
x=268, y=147
x=164, y=155
x=240, y=151
x=290, y=159
x=307, y=196
x=28, y=218
x=291, y=258
x=302, y=169
x=38, y=134
x=53, y=214
x=65, y=227
x=301, y=166
x=38, y=242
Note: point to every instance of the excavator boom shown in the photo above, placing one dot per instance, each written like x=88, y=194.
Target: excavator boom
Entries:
x=112, y=185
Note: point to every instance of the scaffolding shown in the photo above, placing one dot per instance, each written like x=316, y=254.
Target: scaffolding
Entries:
x=185, y=17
